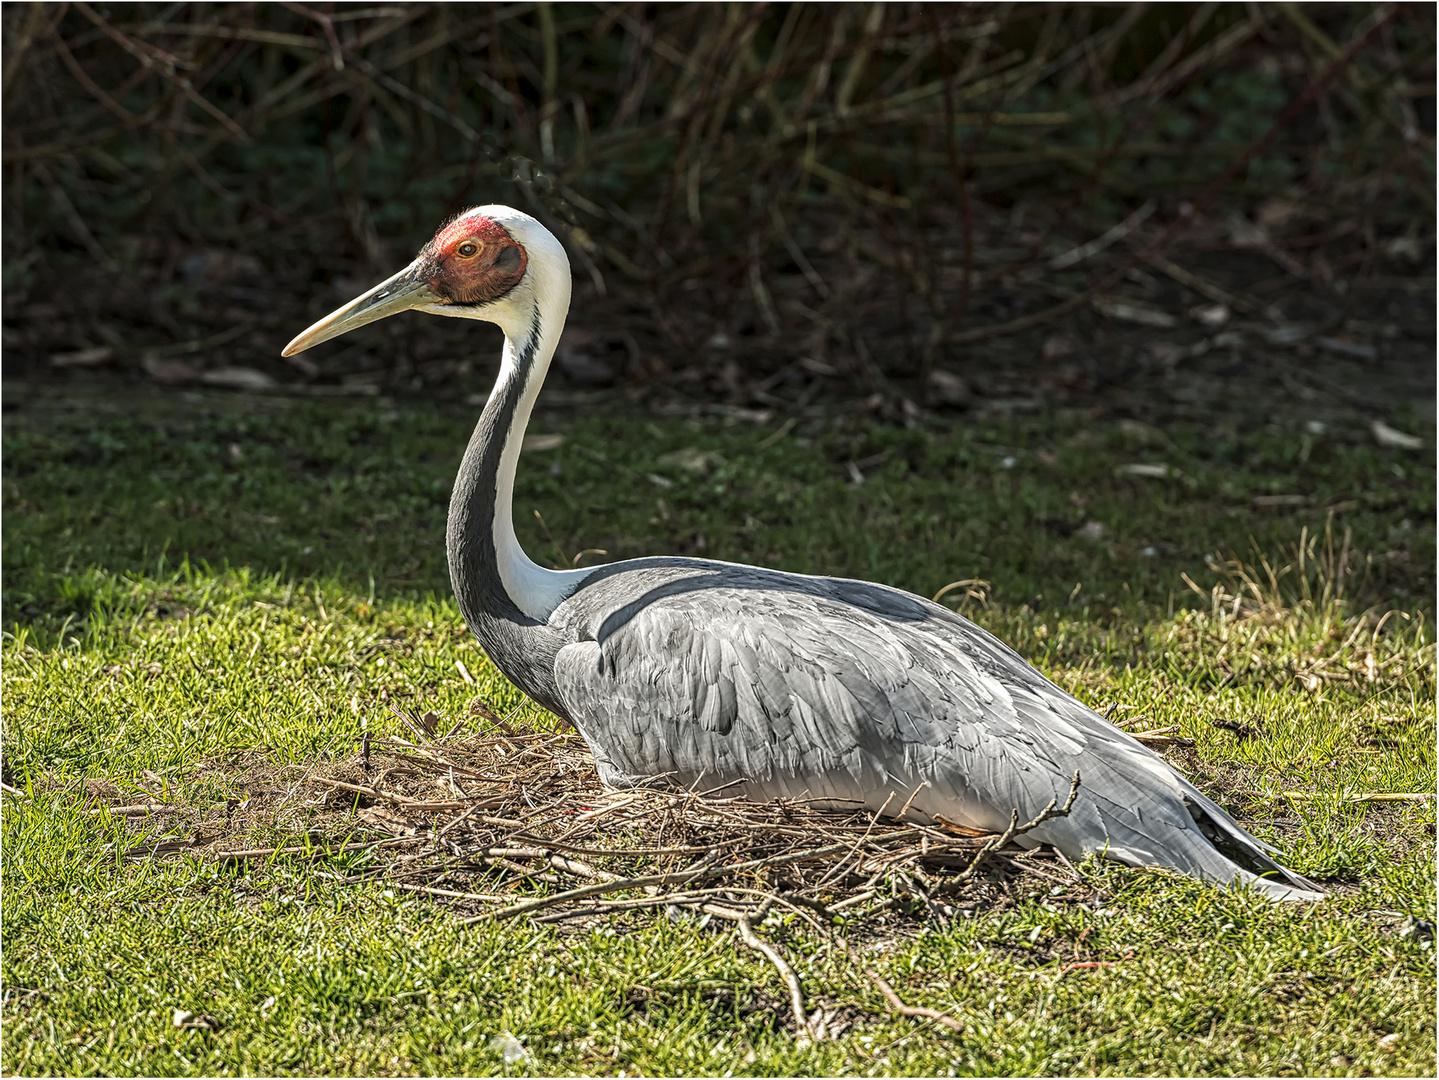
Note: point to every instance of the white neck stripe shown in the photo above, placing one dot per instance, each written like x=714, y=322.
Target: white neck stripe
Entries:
x=534, y=590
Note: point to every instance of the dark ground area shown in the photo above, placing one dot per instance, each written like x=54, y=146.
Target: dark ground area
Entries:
x=1208, y=213
x=1142, y=220
x=1236, y=336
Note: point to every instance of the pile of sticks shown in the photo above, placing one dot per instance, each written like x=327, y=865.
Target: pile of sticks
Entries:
x=530, y=832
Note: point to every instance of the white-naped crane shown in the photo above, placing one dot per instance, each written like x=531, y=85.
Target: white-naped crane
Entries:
x=705, y=674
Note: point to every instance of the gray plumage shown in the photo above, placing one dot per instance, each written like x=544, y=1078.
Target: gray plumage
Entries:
x=805, y=687
x=703, y=675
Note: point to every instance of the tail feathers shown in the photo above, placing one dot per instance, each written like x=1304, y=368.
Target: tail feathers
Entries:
x=1192, y=852
x=1246, y=857
x=1293, y=887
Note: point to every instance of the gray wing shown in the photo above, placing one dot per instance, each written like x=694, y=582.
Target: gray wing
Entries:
x=838, y=690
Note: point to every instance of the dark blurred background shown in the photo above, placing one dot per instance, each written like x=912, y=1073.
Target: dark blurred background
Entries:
x=1168, y=209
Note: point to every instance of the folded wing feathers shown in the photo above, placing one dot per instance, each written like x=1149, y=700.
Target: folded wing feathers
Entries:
x=861, y=693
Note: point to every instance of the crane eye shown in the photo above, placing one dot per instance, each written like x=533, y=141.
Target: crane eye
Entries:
x=468, y=250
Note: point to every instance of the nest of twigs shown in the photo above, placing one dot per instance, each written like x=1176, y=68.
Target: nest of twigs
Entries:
x=532, y=831
x=515, y=823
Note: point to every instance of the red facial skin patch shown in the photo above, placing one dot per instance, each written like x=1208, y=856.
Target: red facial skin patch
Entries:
x=493, y=270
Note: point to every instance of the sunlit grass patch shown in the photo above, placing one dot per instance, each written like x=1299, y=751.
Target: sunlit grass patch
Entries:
x=153, y=657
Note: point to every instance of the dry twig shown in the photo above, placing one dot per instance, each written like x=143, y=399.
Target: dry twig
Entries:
x=791, y=981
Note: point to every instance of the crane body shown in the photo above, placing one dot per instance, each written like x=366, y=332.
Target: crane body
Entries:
x=704, y=674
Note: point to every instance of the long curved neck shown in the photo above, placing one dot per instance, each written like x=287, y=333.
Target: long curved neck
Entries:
x=494, y=580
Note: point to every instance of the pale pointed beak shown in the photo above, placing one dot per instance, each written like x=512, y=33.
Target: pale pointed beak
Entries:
x=403, y=292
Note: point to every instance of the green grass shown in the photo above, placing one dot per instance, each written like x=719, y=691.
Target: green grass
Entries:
x=197, y=587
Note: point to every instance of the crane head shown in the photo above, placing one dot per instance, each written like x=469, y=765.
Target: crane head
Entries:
x=470, y=263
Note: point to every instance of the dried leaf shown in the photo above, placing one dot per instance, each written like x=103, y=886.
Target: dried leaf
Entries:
x=387, y=819
x=508, y=1047
x=1134, y=312
x=1388, y=436
x=101, y=354
x=1276, y=213
x=171, y=372
x=692, y=459
x=1210, y=315
x=947, y=388
x=1152, y=472
x=1057, y=345
x=584, y=368
x=184, y=1018
x=238, y=378
x=1246, y=233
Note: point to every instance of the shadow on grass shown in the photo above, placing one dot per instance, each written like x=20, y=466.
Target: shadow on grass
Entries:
x=145, y=486
x=1047, y=511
